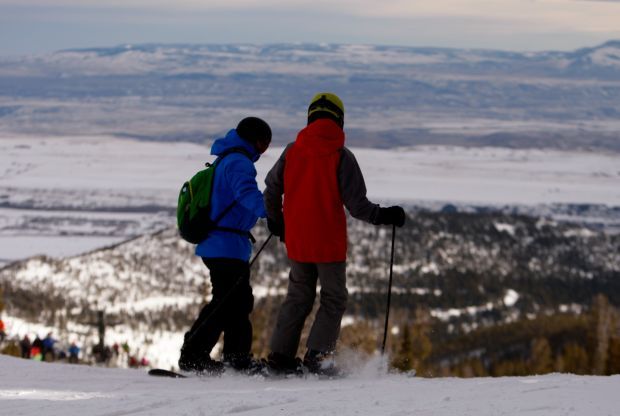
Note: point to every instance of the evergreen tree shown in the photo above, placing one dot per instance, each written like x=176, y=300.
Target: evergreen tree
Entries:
x=404, y=358
x=602, y=317
x=613, y=362
x=472, y=368
x=574, y=360
x=541, y=357
x=613, y=366
x=415, y=345
x=11, y=348
x=510, y=368
x=360, y=337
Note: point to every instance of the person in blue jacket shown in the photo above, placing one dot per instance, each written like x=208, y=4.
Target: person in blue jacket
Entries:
x=226, y=252
x=74, y=353
x=49, y=352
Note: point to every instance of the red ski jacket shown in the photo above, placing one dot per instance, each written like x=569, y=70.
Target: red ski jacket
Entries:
x=316, y=227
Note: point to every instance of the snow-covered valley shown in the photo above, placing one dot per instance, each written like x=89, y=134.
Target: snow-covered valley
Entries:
x=62, y=196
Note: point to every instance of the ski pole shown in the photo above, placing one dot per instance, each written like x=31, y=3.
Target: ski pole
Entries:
x=260, y=249
x=227, y=295
x=389, y=297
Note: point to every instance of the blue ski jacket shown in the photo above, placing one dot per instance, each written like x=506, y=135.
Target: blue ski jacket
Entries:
x=235, y=180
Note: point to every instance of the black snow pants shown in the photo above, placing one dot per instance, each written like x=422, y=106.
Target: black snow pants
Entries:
x=228, y=312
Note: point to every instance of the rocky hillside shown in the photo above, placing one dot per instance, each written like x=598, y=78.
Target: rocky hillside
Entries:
x=466, y=267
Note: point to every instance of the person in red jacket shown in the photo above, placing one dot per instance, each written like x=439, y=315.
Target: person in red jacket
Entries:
x=306, y=192
x=2, y=331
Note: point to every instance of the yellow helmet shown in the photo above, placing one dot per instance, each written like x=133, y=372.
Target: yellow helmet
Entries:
x=327, y=102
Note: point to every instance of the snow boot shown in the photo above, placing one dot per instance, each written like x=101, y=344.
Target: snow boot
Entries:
x=321, y=363
x=246, y=364
x=200, y=364
x=284, y=365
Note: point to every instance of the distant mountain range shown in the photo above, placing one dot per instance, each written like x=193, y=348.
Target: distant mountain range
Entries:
x=394, y=96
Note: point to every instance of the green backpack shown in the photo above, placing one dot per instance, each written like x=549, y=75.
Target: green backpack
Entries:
x=194, y=205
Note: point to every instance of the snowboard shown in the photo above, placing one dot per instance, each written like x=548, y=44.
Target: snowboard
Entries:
x=160, y=372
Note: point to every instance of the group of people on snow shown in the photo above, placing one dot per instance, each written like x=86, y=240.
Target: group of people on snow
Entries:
x=307, y=190
x=47, y=349
x=42, y=349
x=117, y=355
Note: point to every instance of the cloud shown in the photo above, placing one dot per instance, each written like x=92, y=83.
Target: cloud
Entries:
x=513, y=24
x=574, y=13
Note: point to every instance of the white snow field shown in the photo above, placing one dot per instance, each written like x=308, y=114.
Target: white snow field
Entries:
x=102, y=171
x=34, y=388
x=62, y=196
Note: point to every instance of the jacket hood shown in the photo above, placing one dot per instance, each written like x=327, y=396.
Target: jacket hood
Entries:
x=321, y=137
x=231, y=141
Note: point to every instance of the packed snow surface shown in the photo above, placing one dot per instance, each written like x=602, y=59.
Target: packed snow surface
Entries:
x=34, y=388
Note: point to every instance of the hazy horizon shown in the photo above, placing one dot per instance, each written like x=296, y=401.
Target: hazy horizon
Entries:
x=43, y=26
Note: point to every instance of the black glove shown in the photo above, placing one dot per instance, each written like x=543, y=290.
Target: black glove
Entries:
x=391, y=216
x=276, y=228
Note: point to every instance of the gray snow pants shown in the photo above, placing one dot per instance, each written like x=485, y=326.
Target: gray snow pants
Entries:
x=298, y=305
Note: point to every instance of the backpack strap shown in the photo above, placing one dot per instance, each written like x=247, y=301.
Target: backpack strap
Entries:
x=229, y=207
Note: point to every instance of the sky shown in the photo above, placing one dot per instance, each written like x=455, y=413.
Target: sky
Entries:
x=41, y=26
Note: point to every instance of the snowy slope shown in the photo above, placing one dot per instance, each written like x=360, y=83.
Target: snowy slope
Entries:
x=30, y=388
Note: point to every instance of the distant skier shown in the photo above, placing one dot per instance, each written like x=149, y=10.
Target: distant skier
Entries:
x=25, y=346
x=2, y=331
x=227, y=252
x=48, y=351
x=317, y=175
x=74, y=353
x=133, y=362
x=36, y=351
